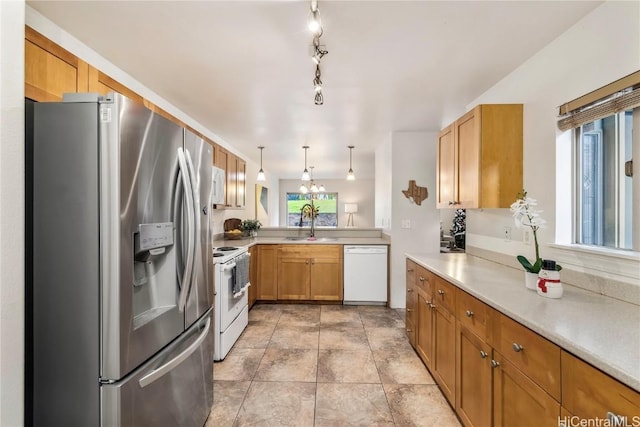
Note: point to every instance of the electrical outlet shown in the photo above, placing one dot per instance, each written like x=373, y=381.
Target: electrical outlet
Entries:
x=506, y=232
x=526, y=236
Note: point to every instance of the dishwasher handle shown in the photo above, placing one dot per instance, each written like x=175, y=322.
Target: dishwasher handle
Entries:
x=359, y=249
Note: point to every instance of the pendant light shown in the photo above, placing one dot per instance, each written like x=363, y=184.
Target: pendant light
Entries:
x=261, y=176
x=305, y=173
x=350, y=175
x=313, y=187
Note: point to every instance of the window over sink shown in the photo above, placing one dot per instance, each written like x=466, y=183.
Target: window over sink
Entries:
x=326, y=203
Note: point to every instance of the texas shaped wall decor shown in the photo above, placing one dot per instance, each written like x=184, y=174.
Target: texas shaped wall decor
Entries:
x=415, y=193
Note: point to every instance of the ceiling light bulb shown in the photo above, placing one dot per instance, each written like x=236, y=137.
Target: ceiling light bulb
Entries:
x=303, y=189
x=261, y=176
x=351, y=176
x=322, y=189
x=314, y=188
x=318, y=87
x=315, y=26
x=305, y=175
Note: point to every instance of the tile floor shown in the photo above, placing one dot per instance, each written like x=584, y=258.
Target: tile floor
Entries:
x=329, y=365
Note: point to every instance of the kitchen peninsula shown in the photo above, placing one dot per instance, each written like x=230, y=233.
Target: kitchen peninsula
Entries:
x=472, y=318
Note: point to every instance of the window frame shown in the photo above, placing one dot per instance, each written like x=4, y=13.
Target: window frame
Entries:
x=311, y=195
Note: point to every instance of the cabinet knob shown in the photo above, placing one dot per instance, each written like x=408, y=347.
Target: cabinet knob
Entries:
x=494, y=364
x=421, y=279
x=451, y=203
x=410, y=290
x=409, y=330
x=409, y=310
x=469, y=313
x=440, y=291
x=432, y=305
x=483, y=354
x=517, y=347
x=306, y=262
x=410, y=270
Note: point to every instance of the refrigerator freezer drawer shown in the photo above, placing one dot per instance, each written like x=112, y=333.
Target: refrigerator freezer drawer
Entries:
x=174, y=388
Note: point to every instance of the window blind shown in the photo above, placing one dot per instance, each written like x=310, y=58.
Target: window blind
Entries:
x=618, y=96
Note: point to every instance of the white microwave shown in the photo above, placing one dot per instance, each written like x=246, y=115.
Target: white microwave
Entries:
x=217, y=187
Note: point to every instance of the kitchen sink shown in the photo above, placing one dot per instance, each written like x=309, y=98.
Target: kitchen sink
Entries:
x=317, y=239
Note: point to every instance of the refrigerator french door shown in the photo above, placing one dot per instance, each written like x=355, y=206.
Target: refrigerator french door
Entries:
x=122, y=273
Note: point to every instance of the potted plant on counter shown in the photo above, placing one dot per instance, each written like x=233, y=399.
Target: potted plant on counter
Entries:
x=251, y=227
x=525, y=215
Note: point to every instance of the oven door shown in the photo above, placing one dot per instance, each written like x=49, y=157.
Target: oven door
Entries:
x=230, y=307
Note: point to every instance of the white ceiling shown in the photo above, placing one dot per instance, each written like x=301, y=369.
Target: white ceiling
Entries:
x=243, y=69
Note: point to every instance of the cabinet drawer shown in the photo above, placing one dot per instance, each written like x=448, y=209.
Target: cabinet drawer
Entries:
x=474, y=315
x=424, y=280
x=444, y=294
x=311, y=251
x=590, y=393
x=535, y=356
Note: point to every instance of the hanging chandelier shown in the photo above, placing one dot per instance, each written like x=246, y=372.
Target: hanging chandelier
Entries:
x=318, y=51
x=350, y=175
x=261, y=176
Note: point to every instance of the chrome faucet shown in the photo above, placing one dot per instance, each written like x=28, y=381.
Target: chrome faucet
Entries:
x=312, y=217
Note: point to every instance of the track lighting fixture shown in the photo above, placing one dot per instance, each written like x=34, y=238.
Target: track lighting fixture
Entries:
x=261, y=176
x=315, y=25
x=350, y=175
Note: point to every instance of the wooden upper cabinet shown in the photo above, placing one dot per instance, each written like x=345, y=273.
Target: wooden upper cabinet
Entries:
x=51, y=71
x=447, y=164
x=100, y=83
x=480, y=158
x=241, y=183
x=235, y=177
x=232, y=179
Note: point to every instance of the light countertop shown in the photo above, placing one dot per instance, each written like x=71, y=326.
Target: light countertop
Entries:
x=248, y=242
x=601, y=330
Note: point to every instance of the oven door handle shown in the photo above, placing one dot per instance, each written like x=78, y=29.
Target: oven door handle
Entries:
x=228, y=266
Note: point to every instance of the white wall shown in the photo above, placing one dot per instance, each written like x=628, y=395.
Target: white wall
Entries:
x=12, y=213
x=360, y=191
x=383, y=176
x=601, y=48
x=413, y=157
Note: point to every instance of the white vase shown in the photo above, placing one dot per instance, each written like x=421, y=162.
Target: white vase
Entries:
x=531, y=280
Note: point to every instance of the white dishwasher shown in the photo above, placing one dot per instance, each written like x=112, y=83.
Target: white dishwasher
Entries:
x=365, y=274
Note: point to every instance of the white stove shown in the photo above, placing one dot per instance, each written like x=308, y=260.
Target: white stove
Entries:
x=231, y=301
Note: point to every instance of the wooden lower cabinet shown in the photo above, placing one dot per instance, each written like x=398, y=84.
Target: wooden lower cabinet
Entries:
x=267, y=266
x=589, y=393
x=411, y=318
x=444, y=352
x=517, y=400
x=473, y=378
x=424, y=333
x=310, y=272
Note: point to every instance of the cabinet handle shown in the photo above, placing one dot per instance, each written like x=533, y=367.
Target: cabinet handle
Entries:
x=409, y=310
x=410, y=270
x=469, y=313
x=410, y=290
x=432, y=305
x=409, y=330
x=440, y=291
x=306, y=262
x=483, y=354
x=451, y=203
x=494, y=364
x=517, y=347
x=421, y=279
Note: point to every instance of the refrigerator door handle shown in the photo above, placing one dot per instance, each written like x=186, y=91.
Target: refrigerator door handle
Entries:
x=170, y=365
x=186, y=278
x=195, y=191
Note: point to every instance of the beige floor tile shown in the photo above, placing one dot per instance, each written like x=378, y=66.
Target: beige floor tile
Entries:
x=347, y=366
x=401, y=366
x=227, y=399
x=339, y=315
x=352, y=405
x=288, y=365
x=292, y=336
x=256, y=335
x=380, y=317
x=300, y=317
x=387, y=338
x=278, y=404
x=268, y=313
x=419, y=405
x=239, y=365
x=343, y=338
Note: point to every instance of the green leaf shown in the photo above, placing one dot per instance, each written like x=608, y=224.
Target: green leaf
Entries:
x=531, y=268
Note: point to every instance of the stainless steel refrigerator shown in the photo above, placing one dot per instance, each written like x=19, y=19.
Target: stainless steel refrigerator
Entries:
x=122, y=276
